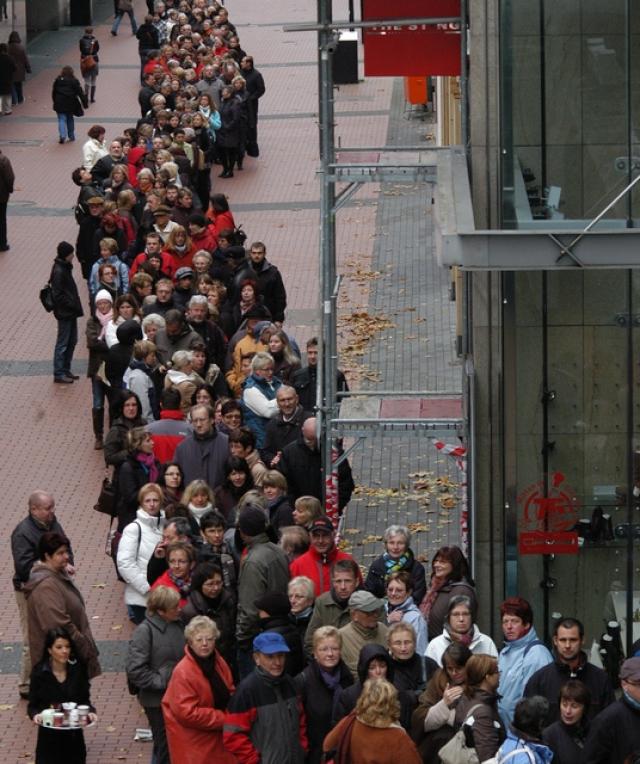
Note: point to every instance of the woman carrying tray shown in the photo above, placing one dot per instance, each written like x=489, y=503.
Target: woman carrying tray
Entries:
x=59, y=678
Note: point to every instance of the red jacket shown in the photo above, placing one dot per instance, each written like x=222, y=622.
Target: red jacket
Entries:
x=206, y=240
x=176, y=261
x=193, y=725
x=317, y=567
x=221, y=221
x=168, y=432
x=165, y=263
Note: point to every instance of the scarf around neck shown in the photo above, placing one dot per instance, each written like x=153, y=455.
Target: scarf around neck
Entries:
x=431, y=596
x=182, y=585
x=104, y=319
x=392, y=565
x=148, y=463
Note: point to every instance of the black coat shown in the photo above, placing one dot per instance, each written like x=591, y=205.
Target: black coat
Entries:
x=65, y=94
x=7, y=69
x=304, y=382
x=254, y=83
x=376, y=581
x=228, y=136
x=271, y=288
x=302, y=466
x=89, y=46
x=281, y=513
x=614, y=734
x=66, y=300
x=84, y=243
x=566, y=742
x=548, y=680
x=24, y=547
x=131, y=477
x=318, y=700
x=54, y=747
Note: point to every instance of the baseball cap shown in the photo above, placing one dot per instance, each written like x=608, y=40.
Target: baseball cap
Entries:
x=365, y=601
x=270, y=642
x=321, y=525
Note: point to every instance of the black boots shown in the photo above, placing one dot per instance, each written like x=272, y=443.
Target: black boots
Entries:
x=93, y=94
x=98, y=427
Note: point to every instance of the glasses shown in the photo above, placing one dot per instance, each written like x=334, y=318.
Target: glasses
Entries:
x=203, y=640
x=328, y=649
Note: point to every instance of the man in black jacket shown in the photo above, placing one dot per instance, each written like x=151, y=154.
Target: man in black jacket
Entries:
x=570, y=663
x=301, y=464
x=256, y=89
x=148, y=39
x=24, y=550
x=67, y=309
x=285, y=427
x=304, y=380
x=270, y=284
x=86, y=234
x=7, y=179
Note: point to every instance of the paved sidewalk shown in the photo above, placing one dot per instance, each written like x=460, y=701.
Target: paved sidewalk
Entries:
x=46, y=436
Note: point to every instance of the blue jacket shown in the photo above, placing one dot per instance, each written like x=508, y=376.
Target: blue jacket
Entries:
x=542, y=753
x=258, y=424
x=517, y=661
x=122, y=274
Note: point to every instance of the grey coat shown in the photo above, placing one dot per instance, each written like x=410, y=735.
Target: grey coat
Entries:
x=203, y=458
x=264, y=569
x=155, y=649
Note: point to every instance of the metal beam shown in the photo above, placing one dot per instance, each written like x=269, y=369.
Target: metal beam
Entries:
x=400, y=394
x=310, y=26
x=383, y=173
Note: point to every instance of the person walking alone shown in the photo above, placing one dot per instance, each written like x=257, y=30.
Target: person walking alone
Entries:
x=124, y=6
x=89, y=47
x=7, y=179
x=67, y=309
x=68, y=100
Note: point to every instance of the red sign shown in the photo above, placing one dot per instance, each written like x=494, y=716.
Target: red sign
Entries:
x=414, y=51
x=547, y=521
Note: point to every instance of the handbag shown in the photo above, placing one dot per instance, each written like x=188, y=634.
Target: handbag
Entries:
x=78, y=110
x=87, y=63
x=46, y=297
x=107, y=500
x=456, y=751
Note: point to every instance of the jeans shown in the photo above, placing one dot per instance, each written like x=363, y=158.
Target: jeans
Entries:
x=98, y=393
x=136, y=613
x=16, y=93
x=65, y=345
x=160, y=745
x=66, y=126
x=118, y=19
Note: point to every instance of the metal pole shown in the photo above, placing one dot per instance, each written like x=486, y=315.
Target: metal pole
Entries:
x=327, y=363
x=464, y=78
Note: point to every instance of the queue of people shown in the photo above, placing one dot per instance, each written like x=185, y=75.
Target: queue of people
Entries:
x=257, y=639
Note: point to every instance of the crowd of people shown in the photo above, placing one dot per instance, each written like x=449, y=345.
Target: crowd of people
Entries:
x=257, y=637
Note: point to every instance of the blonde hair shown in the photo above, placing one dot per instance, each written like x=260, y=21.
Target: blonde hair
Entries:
x=162, y=598
x=378, y=704
x=195, y=488
x=200, y=623
x=311, y=506
x=326, y=632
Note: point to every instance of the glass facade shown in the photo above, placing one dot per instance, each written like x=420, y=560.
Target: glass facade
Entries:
x=572, y=422
x=570, y=105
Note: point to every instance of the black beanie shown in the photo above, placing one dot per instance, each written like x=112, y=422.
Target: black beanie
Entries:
x=198, y=218
x=274, y=603
x=253, y=521
x=64, y=249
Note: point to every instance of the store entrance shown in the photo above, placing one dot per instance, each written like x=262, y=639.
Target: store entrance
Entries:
x=572, y=447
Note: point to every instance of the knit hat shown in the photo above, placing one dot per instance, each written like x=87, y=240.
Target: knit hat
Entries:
x=65, y=249
x=104, y=294
x=252, y=521
x=184, y=272
x=274, y=603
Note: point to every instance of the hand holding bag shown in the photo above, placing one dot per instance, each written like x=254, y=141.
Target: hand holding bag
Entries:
x=108, y=497
x=456, y=751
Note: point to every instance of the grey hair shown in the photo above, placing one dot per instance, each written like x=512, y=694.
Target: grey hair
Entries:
x=398, y=530
x=181, y=358
x=261, y=360
x=460, y=599
x=181, y=524
x=200, y=623
x=306, y=584
x=203, y=253
x=154, y=319
x=198, y=299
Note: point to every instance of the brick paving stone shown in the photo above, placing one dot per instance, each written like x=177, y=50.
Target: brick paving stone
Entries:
x=46, y=437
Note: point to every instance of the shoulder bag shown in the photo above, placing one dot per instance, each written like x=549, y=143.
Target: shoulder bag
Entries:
x=456, y=751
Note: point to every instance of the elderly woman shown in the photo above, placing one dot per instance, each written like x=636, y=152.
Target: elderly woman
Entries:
x=397, y=557
x=432, y=722
x=401, y=607
x=480, y=700
x=181, y=558
x=259, y=403
x=137, y=544
x=68, y=100
x=449, y=577
x=196, y=699
x=152, y=323
x=318, y=685
x=156, y=647
x=459, y=627
x=60, y=677
x=301, y=591
x=374, y=733
x=183, y=378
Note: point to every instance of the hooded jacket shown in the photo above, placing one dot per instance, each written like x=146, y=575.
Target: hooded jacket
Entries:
x=346, y=699
x=542, y=753
x=119, y=355
x=480, y=643
x=53, y=600
x=518, y=661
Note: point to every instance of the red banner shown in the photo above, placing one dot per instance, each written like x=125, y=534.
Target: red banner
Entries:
x=415, y=51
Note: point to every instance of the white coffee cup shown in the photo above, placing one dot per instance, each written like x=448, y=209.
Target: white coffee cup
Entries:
x=47, y=717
